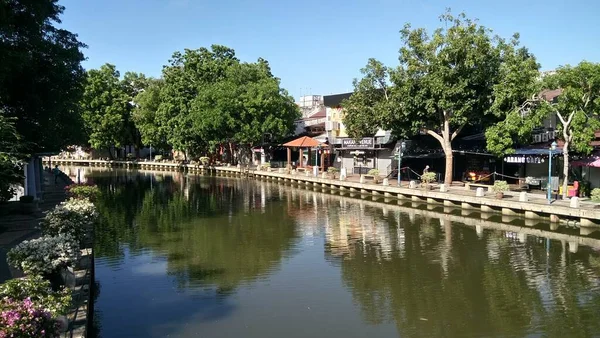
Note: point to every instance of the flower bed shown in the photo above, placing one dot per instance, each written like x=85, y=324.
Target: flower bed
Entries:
x=33, y=306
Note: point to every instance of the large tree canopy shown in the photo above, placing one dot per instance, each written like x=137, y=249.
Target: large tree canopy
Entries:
x=208, y=98
x=458, y=76
x=40, y=74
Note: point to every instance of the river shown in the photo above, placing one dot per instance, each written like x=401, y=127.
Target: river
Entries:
x=198, y=256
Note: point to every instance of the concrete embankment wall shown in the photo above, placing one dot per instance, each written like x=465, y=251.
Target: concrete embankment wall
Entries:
x=587, y=217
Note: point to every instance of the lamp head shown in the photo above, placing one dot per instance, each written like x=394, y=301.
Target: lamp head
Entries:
x=553, y=145
x=403, y=145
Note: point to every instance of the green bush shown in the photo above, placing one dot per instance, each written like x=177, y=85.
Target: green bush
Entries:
x=204, y=160
x=130, y=156
x=500, y=186
x=83, y=191
x=429, y=177
x=39, y=291
x=374, y=172
x=595, y=195
x=266, y=164
x=158, y=158
x=332, y=170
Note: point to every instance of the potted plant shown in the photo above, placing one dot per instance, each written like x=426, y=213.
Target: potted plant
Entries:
x=595, y=195
x=375, y=174
x=204, y=160
x=332, y=171
x=158, y=158
x=428, y=178
x=267, y=166
x=499, y=188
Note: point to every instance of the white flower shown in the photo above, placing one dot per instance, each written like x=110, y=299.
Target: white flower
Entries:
x=45, y=254
x=74, y=216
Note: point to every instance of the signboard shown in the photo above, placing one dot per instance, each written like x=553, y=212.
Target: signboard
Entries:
x=365, y=142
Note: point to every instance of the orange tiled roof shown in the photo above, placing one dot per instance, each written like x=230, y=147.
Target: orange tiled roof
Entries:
x=304, y=142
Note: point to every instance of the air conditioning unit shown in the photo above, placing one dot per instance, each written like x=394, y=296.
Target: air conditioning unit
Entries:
x=545, y=137
x=537, y=138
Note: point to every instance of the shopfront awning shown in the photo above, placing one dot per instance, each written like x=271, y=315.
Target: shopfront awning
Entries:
x=589, y=162
x=539, y=152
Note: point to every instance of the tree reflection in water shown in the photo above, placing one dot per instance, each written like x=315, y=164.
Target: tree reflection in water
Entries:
x=199, y=224
x=433, y=278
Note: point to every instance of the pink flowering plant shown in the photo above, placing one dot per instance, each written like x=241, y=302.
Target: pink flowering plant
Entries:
x=25, y=319
x=39, y=291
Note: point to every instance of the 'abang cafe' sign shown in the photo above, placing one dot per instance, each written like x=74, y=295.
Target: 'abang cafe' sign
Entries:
x=364, y=143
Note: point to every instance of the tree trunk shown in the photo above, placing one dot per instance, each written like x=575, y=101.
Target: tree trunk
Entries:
x=449, y=165
x=110, y=155
x=565, y=184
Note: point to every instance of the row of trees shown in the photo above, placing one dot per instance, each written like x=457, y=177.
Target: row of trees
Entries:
x=462, y=75
x=206, y=100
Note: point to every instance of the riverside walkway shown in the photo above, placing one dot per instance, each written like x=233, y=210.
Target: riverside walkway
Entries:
x=585, y=215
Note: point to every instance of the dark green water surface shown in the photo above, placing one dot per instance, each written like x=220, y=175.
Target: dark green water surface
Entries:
x=191, y=256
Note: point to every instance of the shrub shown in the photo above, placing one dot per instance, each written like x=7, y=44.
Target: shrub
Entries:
x=26, y=199
x=39, y=291
x=44, y=255
x=374, y=172
x=332, y=170
x=266, y=164
x=429, y=177
x=130, y=156
x=83, y=191
x=595, y=194
x=158, y=158
x=204, y=160
x=73, y=217
x=24, y=318
x=500, y=186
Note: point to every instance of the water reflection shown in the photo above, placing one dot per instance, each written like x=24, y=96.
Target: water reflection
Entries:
x=220, y=243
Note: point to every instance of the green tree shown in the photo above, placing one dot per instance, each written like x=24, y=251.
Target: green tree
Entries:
x=106, y=107
x=577, y=109
x=209, y=99
x=145, y=114
x=10, y=157
x=41, y=78
x=444, y=82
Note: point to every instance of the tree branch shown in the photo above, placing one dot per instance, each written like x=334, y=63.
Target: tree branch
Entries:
x=457, y=131
x=434, y=134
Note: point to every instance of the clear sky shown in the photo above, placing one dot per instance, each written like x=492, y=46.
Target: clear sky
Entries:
x=316, y=47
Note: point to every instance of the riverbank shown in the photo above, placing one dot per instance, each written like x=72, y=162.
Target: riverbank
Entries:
x=583, y=214
x=16, y=228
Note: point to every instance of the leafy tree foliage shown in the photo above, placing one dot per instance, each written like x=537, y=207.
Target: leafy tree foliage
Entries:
x=10, y=157
x=208, y=99
x=577, y=109
x=40, y=74
x=444, y=82
x=106, y=107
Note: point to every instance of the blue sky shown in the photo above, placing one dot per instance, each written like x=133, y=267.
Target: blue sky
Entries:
x=315, y=47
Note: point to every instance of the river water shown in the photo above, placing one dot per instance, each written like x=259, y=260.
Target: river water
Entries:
x=192, y=256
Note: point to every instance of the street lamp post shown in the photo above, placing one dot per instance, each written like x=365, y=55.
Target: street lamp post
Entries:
x=550, y=151
x=400, y=151
x=316, y=170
